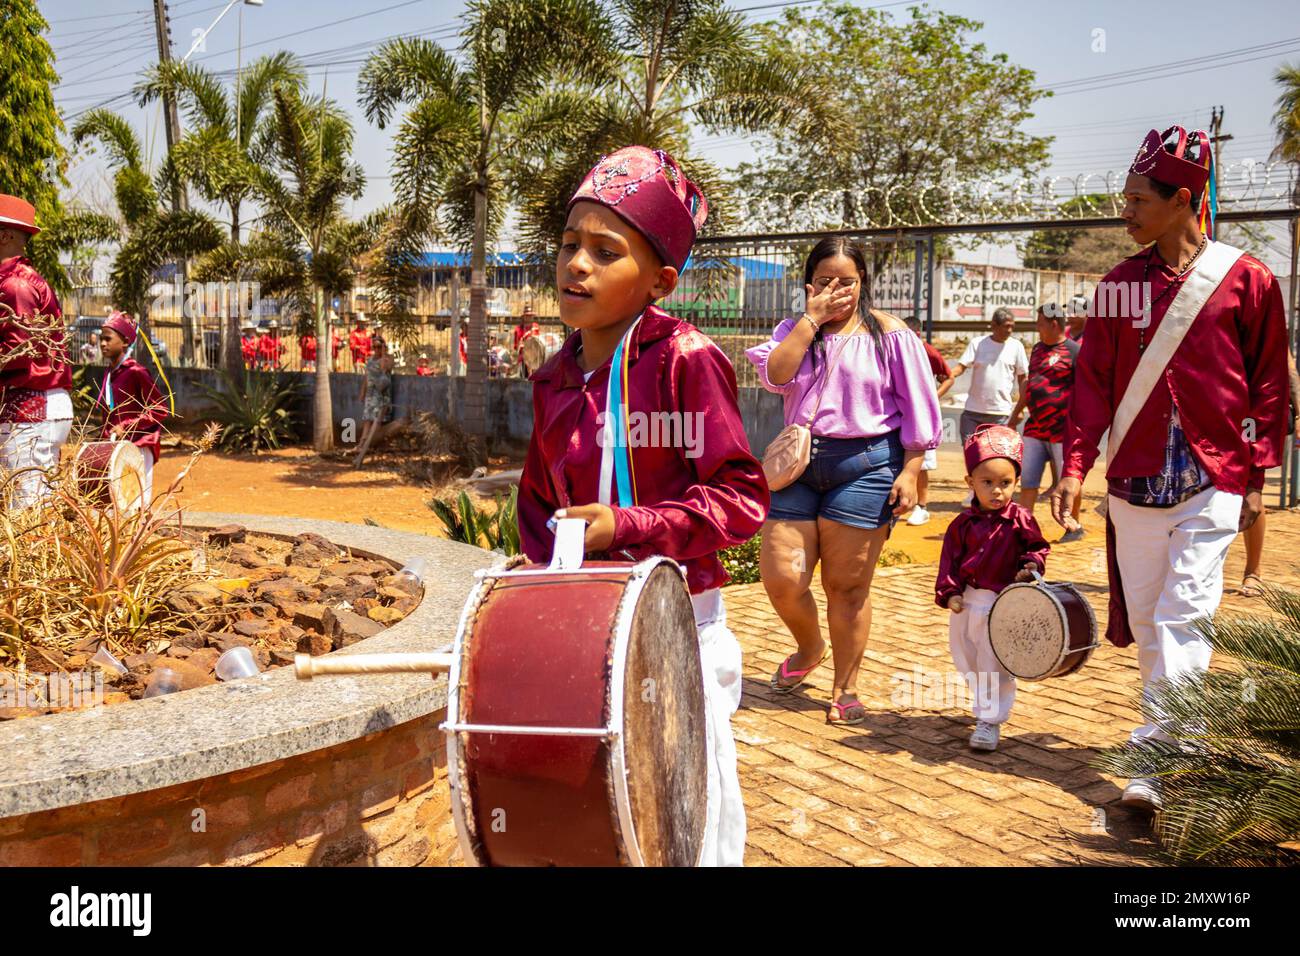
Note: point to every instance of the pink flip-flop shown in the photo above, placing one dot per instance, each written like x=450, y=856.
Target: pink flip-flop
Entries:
x=784, y=673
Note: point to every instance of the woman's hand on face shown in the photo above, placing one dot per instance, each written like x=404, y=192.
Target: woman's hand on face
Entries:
x=831, y=304
x=903, y=495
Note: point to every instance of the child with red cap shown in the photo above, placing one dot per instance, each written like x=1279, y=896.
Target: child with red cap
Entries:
x=134, y=410
x=988, y=546
x=684, y=494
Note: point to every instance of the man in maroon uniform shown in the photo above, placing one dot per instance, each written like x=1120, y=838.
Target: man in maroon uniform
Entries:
x=1185, y=362
x=1046, y=396
x=35, y=405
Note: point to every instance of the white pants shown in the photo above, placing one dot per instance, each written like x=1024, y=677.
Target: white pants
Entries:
x=146, y=484
x=1171, y=563
x=992, y=689
x=31, y=446
x=724, y=831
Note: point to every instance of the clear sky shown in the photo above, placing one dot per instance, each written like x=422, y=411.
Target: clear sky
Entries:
x=1118, y=68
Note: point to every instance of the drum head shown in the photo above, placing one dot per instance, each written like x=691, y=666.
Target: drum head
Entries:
x=127, y=471
x=1028, y=631
x=664, y=724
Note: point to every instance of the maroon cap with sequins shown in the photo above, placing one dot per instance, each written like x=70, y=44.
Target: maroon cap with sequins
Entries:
x=123, y=325
x=1176, y=169
x=650, y=193
x=993, y=441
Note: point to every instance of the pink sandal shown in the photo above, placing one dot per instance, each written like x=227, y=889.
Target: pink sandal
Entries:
x=835, y=715
x=797, y=677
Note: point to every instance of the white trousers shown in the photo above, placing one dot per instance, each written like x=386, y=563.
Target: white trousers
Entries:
x=146, y=484
x=724, y=831
x=31, y=446
x=992, y=689
x=1171, y=563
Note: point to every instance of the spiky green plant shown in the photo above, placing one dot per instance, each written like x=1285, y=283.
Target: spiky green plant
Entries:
x=464, y=521
x=255, y=411
x=1230, y=778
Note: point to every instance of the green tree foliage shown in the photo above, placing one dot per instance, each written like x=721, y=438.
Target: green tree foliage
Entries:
x=1081, y=250
x=308, y=249
x=229, y=133
x=922, y=107
x=149, y=233
x=467, y=122
x=32, y=160
x=664, y=68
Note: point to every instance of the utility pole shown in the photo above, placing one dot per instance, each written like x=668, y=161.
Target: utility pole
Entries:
x=1217, y=138
x=180, y=202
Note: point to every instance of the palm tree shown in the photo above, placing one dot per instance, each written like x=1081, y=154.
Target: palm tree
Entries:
x=228, y=141
x=1286, y=123
x=469, y=123
x=150, y=233
x=308, y=246
x=667, y=66
x=1230, y=776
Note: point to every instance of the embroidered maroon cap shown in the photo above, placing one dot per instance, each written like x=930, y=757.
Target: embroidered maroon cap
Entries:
x=993, y=441
x=650, y=193
x=122, y=324
x=1176, y=169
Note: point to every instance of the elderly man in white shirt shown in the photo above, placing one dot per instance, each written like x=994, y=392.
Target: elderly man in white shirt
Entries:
x=999, y=367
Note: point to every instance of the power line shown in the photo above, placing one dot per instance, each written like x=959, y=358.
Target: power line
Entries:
x=101, y=16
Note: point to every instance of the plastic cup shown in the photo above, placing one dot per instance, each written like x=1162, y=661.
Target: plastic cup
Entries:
x=414, y=570
x=236, y=663
x=107, y=661
x=162, y=681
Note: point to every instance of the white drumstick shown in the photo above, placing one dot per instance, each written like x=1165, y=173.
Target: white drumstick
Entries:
x=306, y=667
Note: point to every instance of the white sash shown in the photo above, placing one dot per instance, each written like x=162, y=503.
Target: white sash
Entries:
x=1206, y=276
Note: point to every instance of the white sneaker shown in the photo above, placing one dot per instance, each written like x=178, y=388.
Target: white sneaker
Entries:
x=918, y=516
x=985, y=736
x=1141, y=794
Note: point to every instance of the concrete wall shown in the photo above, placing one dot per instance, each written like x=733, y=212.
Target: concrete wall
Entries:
x=510, y=403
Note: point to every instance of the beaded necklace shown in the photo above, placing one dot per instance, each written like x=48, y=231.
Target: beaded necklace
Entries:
x=1148, y=304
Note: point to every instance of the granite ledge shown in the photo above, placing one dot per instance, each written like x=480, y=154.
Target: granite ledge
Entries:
x=78, y=757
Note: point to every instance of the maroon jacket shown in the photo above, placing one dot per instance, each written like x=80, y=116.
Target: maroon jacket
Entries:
x=985, y=549
x=27, y=294
x=138, y=407
x=691, y=500
x=1230, y=368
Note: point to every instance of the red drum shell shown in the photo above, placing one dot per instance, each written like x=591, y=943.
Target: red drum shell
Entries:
x=545, y=651
x=99, y=468
x=1042, y=629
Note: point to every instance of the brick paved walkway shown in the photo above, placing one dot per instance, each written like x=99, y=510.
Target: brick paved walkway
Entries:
x=903, y=787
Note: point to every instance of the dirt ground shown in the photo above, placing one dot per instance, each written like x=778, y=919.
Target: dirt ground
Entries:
x=296, y=482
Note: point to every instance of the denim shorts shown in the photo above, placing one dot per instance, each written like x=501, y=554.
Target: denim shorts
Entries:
x=1036, y=454
x=847, y=480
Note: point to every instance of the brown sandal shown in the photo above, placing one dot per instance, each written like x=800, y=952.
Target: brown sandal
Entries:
x=1250, y=590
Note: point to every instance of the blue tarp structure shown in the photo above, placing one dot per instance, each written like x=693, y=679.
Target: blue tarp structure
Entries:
x=753, y=268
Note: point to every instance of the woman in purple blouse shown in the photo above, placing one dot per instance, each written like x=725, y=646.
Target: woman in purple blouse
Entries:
x=876, y=418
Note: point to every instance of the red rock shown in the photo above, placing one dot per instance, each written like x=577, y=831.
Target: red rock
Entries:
x=191, y=675
x=314, y=644
x=205, y=658
x=180, y=651
x=243, y=631
x=311, y=617
x=245, y=555
x=283, y=657
x=227, y=534
x=346, y=628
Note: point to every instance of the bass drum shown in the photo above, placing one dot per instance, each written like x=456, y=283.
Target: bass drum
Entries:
x=536, y=350
x=576, y=731
x=1042, y=629
x=110, y=473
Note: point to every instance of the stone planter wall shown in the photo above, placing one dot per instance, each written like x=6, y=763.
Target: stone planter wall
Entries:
x=268, y=770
